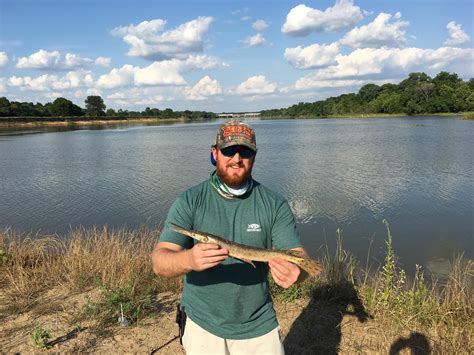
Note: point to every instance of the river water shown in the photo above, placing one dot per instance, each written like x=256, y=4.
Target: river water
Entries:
x=347, y=174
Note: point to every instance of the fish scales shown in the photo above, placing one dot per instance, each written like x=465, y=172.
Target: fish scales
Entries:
x=249, y=253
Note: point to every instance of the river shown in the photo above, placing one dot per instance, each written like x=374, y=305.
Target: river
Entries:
x=347, y=174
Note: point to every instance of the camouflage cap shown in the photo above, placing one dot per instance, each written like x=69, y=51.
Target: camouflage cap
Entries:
x=236, y=132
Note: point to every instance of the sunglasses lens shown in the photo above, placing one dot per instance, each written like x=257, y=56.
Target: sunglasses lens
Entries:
x=244, y=152
x=229, y=151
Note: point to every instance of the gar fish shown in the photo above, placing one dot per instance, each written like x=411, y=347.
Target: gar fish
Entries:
x=248, y=253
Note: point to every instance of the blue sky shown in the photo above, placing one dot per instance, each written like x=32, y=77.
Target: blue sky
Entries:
x=224, y=55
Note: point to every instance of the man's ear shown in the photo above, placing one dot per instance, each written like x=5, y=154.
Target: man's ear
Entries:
x=214, y=152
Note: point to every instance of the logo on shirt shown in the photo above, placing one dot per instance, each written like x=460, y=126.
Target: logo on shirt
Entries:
x=254, y=227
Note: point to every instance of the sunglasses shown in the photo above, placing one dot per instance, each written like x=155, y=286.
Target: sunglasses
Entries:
x=245, y=153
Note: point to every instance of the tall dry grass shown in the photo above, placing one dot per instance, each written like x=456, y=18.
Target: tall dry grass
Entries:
x=119, y=261
x=32, y=263
x=442, y=309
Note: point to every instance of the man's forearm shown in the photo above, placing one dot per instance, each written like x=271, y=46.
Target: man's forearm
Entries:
x=170, y=263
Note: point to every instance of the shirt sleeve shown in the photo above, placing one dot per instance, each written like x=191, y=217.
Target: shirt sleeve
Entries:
x=285, y=235
x=181, y=215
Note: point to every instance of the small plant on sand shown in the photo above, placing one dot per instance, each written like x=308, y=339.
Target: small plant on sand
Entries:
x=40, y=338
x=292, y=293
x=130, y=301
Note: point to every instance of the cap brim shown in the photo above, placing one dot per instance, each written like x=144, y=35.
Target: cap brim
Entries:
x=230, y=144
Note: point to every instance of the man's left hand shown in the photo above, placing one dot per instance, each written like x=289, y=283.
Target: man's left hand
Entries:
x=284, y=273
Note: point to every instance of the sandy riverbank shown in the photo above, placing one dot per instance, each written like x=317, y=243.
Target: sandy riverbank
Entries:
x=308, y=327
x=73, y=287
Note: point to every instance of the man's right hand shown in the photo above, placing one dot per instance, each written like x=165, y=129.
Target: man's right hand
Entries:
x=204, y=256
x=172, y=260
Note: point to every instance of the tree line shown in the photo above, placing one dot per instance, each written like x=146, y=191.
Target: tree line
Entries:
x=418, y=94
x=64, y=109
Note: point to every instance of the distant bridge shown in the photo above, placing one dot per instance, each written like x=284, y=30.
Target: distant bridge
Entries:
x=238, y=114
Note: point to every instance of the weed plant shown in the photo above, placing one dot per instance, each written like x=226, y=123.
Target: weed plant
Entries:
x=40, y=337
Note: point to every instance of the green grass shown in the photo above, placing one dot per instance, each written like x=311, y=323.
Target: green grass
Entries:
x=133, y=302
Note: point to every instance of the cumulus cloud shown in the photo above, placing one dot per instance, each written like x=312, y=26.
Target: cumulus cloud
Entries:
x=314, y=56
x=253, y=41
x=302, y=20
x=117, y=77
x=47, y=82
x=149, y=40
x=203, y=89
x=3, y=59
x=45, y=60
x=457, y=35
x=256, y=85
x=260, y=25
x=373, y=63
x=385, y=30
x=307, y=83
x=40, y=60
x=167, y=72
x=160, y=73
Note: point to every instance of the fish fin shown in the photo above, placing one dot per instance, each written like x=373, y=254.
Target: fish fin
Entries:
x=247, y=261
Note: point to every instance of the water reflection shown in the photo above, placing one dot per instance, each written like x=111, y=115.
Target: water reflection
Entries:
x=347, y=173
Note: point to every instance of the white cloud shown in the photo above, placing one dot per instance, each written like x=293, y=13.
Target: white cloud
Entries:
x=202, y=62
x=148, y=40
x=253, y=41
x=160, y=73
x=302, y=20
x=260, y=25
x=145, y=29
x=142, y=96
x=40, y=60
x=53, y=61
x=167, y=72
x=117, y=77
x=47, y=82
x=3, y=59
x=256, y=85
x=103, y=62
x=394, y=62
x=309, y=83
x=203, y=89
x=385, y=30
x=314, y=56
x=457, y=35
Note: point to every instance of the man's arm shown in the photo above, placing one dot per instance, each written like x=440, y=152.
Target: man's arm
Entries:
x=285, y=273
x=172, y=260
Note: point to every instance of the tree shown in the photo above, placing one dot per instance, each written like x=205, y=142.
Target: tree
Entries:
x=111, y=112
x=369, y=92
x=63, y=107
x=4, y=107
x=95, y=106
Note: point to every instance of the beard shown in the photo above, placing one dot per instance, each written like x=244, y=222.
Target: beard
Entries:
x=233, y=180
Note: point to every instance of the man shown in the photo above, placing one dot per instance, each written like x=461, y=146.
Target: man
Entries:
x=227, y=302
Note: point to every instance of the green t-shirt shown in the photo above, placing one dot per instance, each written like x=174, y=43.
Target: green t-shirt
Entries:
x=232, y=300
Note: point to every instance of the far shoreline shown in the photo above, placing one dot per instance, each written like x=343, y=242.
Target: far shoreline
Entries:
x=91, y=122
x=105, y=122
